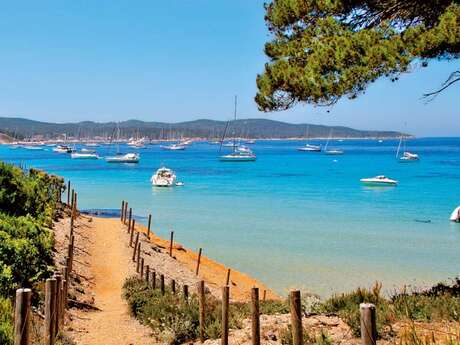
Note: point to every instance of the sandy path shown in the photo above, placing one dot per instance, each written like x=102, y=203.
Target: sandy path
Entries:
x=109, y=261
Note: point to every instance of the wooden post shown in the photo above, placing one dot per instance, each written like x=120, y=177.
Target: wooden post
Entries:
x=296, y=318
x=138, y=255
x=198, y=262
x=50, y=304
x=125, y=213
x=227, y=281
x=265, y=295
x=142, y=268
x=368, y=324
x=21, y=317
x=75, y=204
x=148, y=226
x=64, y=297
x=171, y=243
x=162, y=284
x=70, y=255
x=57, y=321
x=255, y=316
x=131, y=236
x=173, y=286
x=136, y=243
x=122, y=210
x=129, y=217
x=185, y=291
x=147, y=274
x=68, y=193
x=202, y=306
x=154, y=279
x=72, y=200
x=225, y=302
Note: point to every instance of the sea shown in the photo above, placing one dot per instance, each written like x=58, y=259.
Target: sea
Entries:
x=290, y=219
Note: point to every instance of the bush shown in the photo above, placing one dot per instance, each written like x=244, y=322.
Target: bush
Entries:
x=6, y=322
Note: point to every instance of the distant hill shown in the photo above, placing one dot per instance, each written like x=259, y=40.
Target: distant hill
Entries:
x=253, y=128
x=5, y=139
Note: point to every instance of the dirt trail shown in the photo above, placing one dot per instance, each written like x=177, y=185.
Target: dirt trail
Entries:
x=109, y=262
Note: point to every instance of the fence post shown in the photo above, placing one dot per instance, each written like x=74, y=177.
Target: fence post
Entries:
x=173, y=286
x=171, y=243
x=148, y=226
x=57, y=321
x=136, y=243
x=129, y=218
x=255, y=316
x=265, y=295
x=125, y=212
x=147, y=274
x=368, y=324
x=68, y=193
x=185, y=291
x=122, y=210
x=131, y=235
x=154, y=279
x=225, y=302
x=21, y=317
x=138, y=257
x=202, y=306
x=296, y=317
x=227, y=281
x=50, y=311
x=198, y=262
x=142, y=268
x=75, y=204
x=162, y=284
x=72, y=200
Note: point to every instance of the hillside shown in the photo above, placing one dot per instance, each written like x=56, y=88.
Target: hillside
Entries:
x=5, y=139
x=254, y=128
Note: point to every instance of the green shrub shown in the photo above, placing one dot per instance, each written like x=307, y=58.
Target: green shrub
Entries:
x=6, y=322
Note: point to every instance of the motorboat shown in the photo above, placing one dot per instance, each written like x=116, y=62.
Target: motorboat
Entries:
x=334, y=152
x=455, y=216
x=88, y=150
x=164, y=177
x=78, y=155
x=379, y=180
x=309, y=148
x=174, y=147
x=409, y=157
x=63, y=149
x=126, y=158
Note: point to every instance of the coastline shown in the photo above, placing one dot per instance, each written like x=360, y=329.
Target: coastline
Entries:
x=212, y=272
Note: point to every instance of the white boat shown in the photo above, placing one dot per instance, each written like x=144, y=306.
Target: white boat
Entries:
x=77, y=155
x=379, y=180
x=455, y=216
x=88, y=150
x=250, y=142
x=163, y=177
x=126, y=158
x=92, y=144
x=309, y=148
x=174, y=147
x=240, y=153
x=333, y=152
x=407, y=157
x=62, y=149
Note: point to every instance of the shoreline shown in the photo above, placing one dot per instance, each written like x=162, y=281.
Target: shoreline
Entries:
x=212, y=272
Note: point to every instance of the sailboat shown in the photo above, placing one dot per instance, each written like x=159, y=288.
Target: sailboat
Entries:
x=308, y=147
x=122, y=158
x=237, y=154
x=406, y=157
x=334, y=152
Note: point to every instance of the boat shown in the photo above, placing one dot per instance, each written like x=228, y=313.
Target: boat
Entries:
x=78, y=155
x=174, y=147
x=406, y=157
x=333, y=152
x=250, y=142
x=126, y=158
x=164, y=177
x=122, y=158
x=379, y=180
x=308, y=147
x=455, y=216
x=240, y=153
x=87, y=150
x=62, y=149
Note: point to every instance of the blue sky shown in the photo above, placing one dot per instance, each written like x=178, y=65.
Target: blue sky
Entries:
x=177, y=60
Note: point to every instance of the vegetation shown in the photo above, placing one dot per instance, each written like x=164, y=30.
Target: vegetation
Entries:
x=322, y=50
x=440, y=303
x=28, y=202
x=176, y=321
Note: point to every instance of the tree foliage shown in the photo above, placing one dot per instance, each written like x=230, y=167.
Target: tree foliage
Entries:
x=322, y=50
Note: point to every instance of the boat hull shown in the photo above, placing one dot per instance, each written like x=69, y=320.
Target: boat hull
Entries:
x=237, y=159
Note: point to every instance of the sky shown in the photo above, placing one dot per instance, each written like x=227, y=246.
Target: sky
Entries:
x=178, y=60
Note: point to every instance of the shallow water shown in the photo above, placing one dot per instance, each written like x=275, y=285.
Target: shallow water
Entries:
x=292, y=219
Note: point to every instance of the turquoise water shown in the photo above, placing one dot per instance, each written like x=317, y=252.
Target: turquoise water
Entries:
x=292, y=219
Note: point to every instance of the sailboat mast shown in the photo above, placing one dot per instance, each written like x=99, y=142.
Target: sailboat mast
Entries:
x=234, y=132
